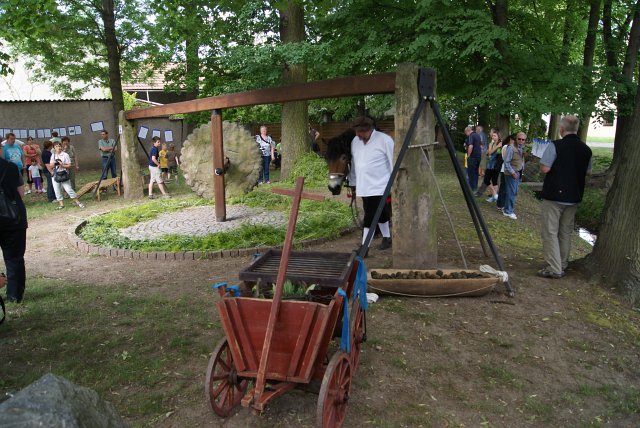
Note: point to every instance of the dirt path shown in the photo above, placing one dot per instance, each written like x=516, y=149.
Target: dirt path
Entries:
x=561, y=353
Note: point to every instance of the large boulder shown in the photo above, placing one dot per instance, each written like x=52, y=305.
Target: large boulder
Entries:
x=53, y=401
x=239, y=146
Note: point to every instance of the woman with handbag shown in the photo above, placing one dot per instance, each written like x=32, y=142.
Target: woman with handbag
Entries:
x=59, y=166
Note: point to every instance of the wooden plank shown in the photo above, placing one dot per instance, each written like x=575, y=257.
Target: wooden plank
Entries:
x=240, y=331
x=218, y=164
x=301, y=343
x=306, y=195
x=277, y=298
x=368, y=84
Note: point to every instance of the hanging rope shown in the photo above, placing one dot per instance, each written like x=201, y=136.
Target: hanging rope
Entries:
x=444, y=206
x=353, y=205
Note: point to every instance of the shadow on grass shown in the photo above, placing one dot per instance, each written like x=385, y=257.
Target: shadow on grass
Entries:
x=112, y=339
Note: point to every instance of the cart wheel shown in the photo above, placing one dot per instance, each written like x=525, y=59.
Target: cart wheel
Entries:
x=222, y=385
x=358, y=339
x=334, y=392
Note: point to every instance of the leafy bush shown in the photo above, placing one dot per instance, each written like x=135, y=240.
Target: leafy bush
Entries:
x=591, y=207
x=313, y=168
x=601, y=159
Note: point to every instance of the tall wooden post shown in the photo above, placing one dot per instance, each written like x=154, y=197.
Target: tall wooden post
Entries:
x=131, y=178
x=218, y=165
x=415, y=240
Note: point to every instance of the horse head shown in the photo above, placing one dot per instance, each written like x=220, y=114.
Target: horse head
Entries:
x=338, y=158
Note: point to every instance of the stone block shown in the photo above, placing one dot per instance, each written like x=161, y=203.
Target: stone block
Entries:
x=53, y=401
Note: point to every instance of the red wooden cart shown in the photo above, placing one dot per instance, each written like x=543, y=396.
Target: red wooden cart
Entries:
x=275, y=345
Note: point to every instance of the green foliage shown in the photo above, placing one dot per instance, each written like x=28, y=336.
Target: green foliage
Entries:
x=591, y=208
x=312, y=167
x=129, y=100
x=65, y=39
x=601, y=159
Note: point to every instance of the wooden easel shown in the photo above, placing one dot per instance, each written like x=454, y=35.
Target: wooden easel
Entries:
x=297, y=194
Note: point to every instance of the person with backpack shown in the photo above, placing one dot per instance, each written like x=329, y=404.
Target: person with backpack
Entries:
x=13, y=229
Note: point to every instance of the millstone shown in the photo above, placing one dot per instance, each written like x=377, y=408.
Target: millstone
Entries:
x=239, y=147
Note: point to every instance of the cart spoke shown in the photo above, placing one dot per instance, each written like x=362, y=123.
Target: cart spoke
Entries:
x=215, y=394
x=219, y=377
x=224, y=366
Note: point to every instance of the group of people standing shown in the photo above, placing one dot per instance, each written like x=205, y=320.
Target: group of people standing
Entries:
x=565, y=163
x=56, y=163
x=503, y=161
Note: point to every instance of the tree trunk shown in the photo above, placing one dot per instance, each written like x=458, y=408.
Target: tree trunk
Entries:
x=295, y=116
x=503, y=123
x=616, y=254
x=192, y=76
x=554, y=127
x=624, y=101
x=567, y=42
x=483, y=117
x=113, y=57
x=588, y=97
x=499, y=12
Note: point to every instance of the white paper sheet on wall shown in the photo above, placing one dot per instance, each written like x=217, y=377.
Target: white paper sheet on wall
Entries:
x=72, y=131
x=155, y=133
x=47, y=133
x=168, y=136
x=142, y=132
x=40, y=133
x=78, y=130
x=62, y=132
x=32, y=133
x=23, y=134
x=97, y=126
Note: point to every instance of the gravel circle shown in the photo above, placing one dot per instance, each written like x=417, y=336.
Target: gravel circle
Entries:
x=201, y=221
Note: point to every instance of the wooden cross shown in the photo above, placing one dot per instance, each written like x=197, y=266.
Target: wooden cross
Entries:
x=297, y=194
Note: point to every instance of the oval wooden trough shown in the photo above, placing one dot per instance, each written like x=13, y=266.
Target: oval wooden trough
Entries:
x=431, y=287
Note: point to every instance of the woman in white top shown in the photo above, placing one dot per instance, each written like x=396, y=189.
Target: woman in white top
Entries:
x=61, y=161
x=266, y=145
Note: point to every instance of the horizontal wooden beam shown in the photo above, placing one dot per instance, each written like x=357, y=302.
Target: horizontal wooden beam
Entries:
x=368, y=84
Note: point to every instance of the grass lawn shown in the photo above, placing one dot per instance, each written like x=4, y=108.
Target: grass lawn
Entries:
x=607, y=140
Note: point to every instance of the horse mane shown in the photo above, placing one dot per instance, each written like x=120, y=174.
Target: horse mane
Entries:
x=340, y=145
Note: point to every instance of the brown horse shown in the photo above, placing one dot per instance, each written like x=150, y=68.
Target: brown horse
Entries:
x=338, y=157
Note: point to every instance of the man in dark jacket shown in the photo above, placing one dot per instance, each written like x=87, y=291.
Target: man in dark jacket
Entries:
x=13, y=237
x=566, y=162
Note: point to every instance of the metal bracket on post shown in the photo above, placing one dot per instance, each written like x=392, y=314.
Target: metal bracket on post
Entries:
x=426, y=83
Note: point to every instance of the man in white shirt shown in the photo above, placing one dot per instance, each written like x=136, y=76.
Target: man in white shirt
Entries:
x=372, y=162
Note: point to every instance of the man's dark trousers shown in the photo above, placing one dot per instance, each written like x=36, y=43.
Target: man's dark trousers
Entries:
x=473, y=164
x=13, y=243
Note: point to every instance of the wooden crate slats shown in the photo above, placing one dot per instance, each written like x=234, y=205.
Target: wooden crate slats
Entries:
x=249, y=359
x=301, y=343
